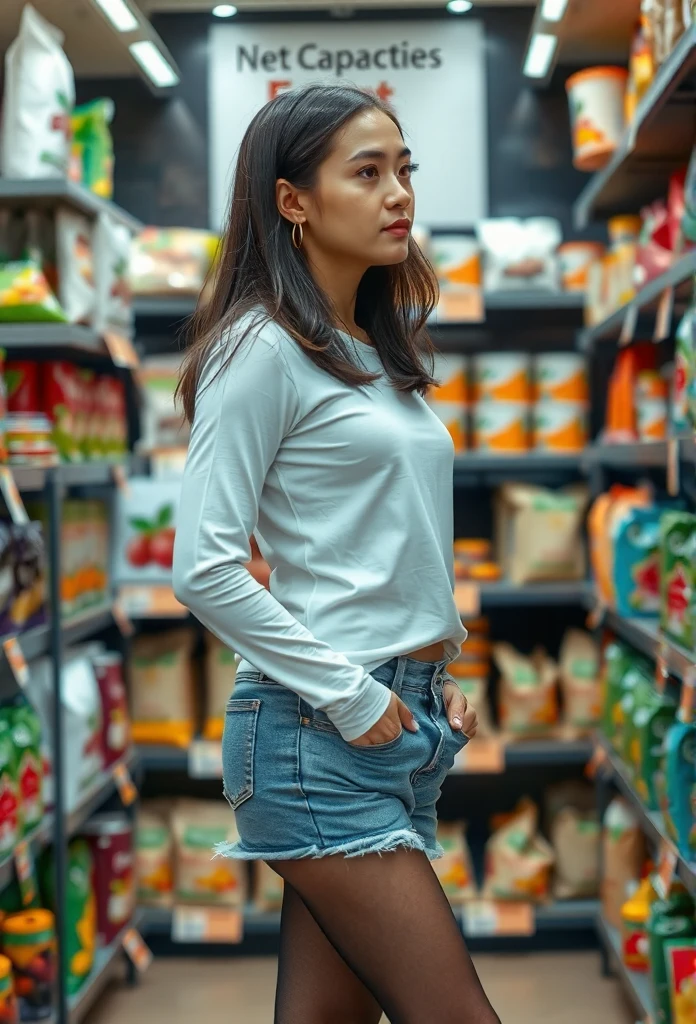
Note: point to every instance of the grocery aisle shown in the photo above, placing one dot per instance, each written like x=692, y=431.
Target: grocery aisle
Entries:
x=532, y=989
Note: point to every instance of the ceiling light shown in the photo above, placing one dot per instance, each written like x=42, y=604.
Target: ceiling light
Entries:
x=459, y=6
x=119, y=14
x=154, y=64
x=539, y=55
x=224, y=11
x=553, y=10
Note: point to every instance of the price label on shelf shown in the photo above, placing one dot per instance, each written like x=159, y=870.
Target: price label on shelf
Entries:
x=595, y=617
x=467, y=596
x=25, y=872
x=124, y=784
x=481, y=756
x=663, y=319
x=120, y=479
x=207, y=924
x=121, y=350
x=125, y=626
x=688, y=695
x=666, y=867
x=673, y=482
x=16, y=660
x=661, y=665
x=150, y=601
x=205, y=759
x=597, y=760
x=137, y=950
x=628, y=327
x=13, y=499
x=496, y=917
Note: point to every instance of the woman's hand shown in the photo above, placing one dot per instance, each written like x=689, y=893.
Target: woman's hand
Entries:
x=460, y=715
x=389, y=726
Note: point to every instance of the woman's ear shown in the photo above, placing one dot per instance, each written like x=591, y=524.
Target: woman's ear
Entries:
x=289, y=202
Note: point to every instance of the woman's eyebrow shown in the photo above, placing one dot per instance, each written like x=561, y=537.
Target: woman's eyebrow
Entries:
x=376, y=154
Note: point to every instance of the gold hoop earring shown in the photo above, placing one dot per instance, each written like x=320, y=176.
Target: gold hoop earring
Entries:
x=297, y=237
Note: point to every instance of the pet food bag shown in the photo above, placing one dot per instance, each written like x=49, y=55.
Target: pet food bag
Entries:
x=199, y=877
x=454, y=869
x=580, y=680
x=38, y=101
x=527, y=693
x=575, y=839
x=539, y=532
x=623, y=857
x=76, y=289
x=154, y=850
x=518, y=859
x=162, y=688
x=220, y=670
x=112, y=247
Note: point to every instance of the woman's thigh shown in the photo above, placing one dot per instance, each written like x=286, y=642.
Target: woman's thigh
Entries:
x=389, y=919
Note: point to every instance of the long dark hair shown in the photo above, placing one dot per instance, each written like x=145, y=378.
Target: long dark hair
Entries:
x=259, y=268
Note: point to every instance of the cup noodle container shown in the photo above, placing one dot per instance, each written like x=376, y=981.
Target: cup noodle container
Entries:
x=561, y=377
x=502, y=377
x=501, y=427
x=453, y=415
x=596, y=98
x=575, y=260
x=559, y=426
x=451, y=371
x=457, y=259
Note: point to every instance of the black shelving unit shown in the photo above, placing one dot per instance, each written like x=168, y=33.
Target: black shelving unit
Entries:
x=51, y=192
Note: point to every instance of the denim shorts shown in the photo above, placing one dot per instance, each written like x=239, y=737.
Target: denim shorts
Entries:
x=298, y=789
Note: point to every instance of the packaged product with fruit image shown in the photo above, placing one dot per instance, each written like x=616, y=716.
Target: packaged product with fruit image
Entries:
x=677, y=571
x=145, y=526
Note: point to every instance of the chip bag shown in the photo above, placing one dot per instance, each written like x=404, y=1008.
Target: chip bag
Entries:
x=518, y=860
x=527, y=695
x=454, y=868
x=199, y=876
x=580, y=682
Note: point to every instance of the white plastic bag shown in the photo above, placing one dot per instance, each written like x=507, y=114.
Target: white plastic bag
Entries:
x=39, y=99
x=112, y=247
x=76, y=289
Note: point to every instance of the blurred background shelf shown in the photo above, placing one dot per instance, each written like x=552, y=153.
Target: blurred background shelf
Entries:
x=49, y=192
x=635, y=984
x=646, y=636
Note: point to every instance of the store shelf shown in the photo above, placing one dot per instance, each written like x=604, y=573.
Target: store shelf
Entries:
x=531, y=299
x=165, y=307
x=159, y=757
x=567, y=915
x=36, y=642
x=59, y=336
x=651, y=821
x=471, y=463
x=504, y=594
x=87, y=474
x=158, y=921
x=103, y=787
x=637, y=455
x=646, y=636
x=657, y=142
x=646, y=300
x=50, y=192
x=107, y=966
x=635, y=984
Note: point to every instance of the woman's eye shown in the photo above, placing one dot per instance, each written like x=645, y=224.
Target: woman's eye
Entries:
x=369, y=173
x=408, y=169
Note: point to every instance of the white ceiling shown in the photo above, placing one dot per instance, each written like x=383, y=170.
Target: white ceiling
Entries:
x=313, y=5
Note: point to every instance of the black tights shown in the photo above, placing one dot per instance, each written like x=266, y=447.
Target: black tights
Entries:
x=363, y=935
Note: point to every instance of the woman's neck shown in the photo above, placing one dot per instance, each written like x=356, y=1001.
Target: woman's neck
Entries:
x=339, y=280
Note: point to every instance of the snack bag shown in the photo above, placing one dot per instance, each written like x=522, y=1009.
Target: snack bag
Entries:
x=26, y=736
x=527, y=695
x=80, y=911
x=454, y=869
x=268, y=888
x=162, y=688
x=681, y=964
x=637, y=693
x=93, y=145
x=580, y=682
x=199, y=826
x=38, y=100
x=518, y=860
x=669, y=919
x=25, y=295
x=675, y=784
x=154, y=855
x=623, y=846
x=684, y=380
x=637, y=561
x=677, y=569
x=168, y=261
x=539, y=532
x=76, y=289
x=652, y=721
x=112, y=246
x=220, y=671
x=575, y=839
x=10, y=833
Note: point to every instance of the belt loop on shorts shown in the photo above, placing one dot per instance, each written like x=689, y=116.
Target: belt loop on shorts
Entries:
x=399, y=675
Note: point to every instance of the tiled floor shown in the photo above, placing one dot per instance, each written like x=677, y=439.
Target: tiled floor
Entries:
x=561, y=988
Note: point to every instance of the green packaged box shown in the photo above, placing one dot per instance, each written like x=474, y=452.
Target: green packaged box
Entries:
x=651, y=721
x=669, y=919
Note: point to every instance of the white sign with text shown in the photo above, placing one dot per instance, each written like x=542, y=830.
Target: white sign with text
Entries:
x=431, y=72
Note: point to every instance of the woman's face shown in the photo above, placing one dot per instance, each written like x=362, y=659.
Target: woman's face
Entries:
x=362, y=205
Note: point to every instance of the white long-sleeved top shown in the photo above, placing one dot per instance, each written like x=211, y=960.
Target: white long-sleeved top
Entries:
x=348, y=491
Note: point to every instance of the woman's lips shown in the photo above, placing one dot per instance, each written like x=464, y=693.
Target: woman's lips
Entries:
x=399, y=228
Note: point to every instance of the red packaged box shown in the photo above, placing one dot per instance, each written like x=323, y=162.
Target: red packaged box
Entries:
x=108, y=668
x=110, y=837
x=62, y=401
x=23, y=384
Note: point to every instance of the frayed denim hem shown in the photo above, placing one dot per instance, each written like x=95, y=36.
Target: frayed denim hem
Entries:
x=385, y=843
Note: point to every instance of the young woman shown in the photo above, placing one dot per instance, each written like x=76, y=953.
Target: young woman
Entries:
x=304, y=386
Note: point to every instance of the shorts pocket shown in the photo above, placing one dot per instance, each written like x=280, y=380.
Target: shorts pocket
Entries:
x=375, y=748
x=238, y=745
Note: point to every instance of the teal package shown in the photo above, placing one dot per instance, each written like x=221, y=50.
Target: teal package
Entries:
x=637, y=562
x=677, y=787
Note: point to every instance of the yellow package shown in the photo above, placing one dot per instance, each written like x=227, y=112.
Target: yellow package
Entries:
x=527, y=694
x=454, y=869
x=539, y=532
x=153, y=855
x=518, y=860
x=162, y=688
x=220, y=671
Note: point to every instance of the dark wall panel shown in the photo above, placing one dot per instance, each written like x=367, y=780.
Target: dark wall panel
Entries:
x=161, y=145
